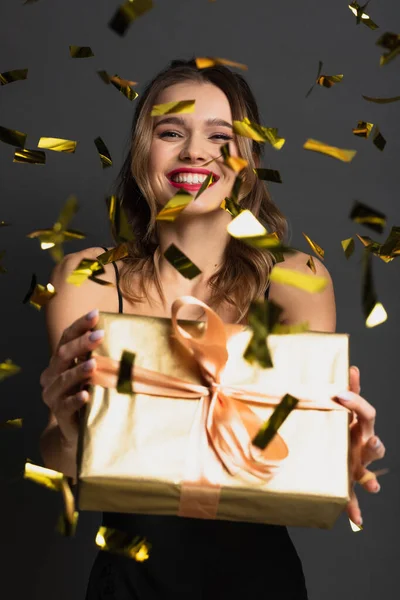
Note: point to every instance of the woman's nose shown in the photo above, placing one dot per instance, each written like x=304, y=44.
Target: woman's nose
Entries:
x=192, y=150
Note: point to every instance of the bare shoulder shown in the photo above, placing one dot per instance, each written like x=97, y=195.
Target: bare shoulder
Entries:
x=318, y=309
x=70, y=301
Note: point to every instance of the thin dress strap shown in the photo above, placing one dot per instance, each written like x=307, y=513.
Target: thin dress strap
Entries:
x=120, y=301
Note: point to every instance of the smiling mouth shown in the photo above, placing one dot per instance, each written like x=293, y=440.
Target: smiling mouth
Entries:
x=191, y=181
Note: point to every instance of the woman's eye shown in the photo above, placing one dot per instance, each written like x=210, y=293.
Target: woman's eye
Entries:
x=222, y=136
x=168, y=133
x=175, y=134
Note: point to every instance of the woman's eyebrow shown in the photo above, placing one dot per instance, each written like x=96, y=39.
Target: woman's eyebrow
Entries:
x=181, y=121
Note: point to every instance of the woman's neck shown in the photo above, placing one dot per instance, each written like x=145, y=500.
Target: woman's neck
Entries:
x=202, y=238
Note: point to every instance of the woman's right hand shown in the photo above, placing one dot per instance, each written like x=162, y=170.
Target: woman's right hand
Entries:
x=62, y=381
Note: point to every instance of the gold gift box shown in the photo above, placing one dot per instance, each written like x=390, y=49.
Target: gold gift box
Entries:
x=134, y=448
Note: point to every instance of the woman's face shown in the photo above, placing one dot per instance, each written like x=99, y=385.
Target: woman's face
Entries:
x=183, y=143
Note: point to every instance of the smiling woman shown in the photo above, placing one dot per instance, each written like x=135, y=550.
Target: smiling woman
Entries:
x=163, y=149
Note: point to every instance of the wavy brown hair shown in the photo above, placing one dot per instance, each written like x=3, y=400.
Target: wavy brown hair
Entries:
x=244, y=275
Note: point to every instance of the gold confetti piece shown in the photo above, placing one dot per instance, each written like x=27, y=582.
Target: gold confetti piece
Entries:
x=11, y=76
x=8, y=369
x=29, y=157
x=378, y=140
x=272, y=425
x=4, y=224
x=283, y=329
x=245, y=225
x=57, y=144
x=377, y=316
x=65, y=527
x=167, y=108
x=124, y=86
x=205, y=62
x=42, y=476
x=119, y=542
x=316, y=79
x=268, y=175
x=391, y=43
x=361, y=16
x=174, y=206
x=52, y=239
x=391, y=246
x=363, y=129
x=121, y=230
x=317, y=249
x=370, y=217
x=308, y=283
x=124, y=383
x=12, y=424
x=373, y=311
x=120, y=251
x=127, y=13
x=258, y=133
x=87, y=269
x=39, y=295
x=231, y=207
x=236, y=163
x=355, y=527
x=263, y=316
x=348, y=247
x=181, y=262
x=311, y=264
x=372, y=475
x=339, y=153
x=104, y=154
x=80, y=52
x=385, y=253
x=206, y=183
x=12, y=137
x=382, y=100
x=329, y=80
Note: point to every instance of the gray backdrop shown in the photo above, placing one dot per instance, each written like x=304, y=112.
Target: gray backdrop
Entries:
x=281, y=42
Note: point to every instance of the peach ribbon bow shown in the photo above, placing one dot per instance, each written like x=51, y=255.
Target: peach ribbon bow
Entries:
x=224, y=424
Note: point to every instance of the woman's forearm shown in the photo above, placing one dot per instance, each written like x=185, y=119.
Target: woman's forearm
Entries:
x=56, y=453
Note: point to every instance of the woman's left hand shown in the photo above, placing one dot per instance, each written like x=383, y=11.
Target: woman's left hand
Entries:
x=365, y=446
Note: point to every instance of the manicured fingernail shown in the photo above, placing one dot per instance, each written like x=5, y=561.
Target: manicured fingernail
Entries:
x=375, y=443
x=92, y=314
x=89, y=364
x=376, y=488
x=356, y=369
x=96, y=335
x=359, y=522
x=346, y=396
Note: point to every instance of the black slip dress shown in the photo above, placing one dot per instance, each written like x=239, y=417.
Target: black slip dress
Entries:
x=197, y=559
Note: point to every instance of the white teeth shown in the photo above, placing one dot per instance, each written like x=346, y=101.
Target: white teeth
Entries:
x=194, y=178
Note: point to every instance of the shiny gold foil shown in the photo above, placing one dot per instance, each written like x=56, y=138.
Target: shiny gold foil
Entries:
x=258, y=133
x=80, y=52
x=181, y=262
x=8, y=369
x=124, y=86
x=261, y=318
x=12, y=424
x=363, y=129
x=268, y=175
x=168, y=108
x=329, y=80
x=105, y=156
x=88, y=269
x=311, y=265
x=141, y=466
x=231, y=206
x=39, y=295
x=11, y=76
x=117, y=253
x=175, y=206
x=355, y=527
x=48, y=478
x=374, y=312
x=12, y=136
x=121, y=229
x=124, y=382
x=348, y=247
x=120, y=542
x=29, y=157
x=368, y=216
x=52, y=239
x=382, y=100
x=361, y=16
x=127, y=13
x=57, y=144
x=309, y=283
x=391, y=42
x=206, y=184
x=317, y=249
x=65, y=527
x=339, y=153
x=236, y=163
x=206, y=62
x=272, y=425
